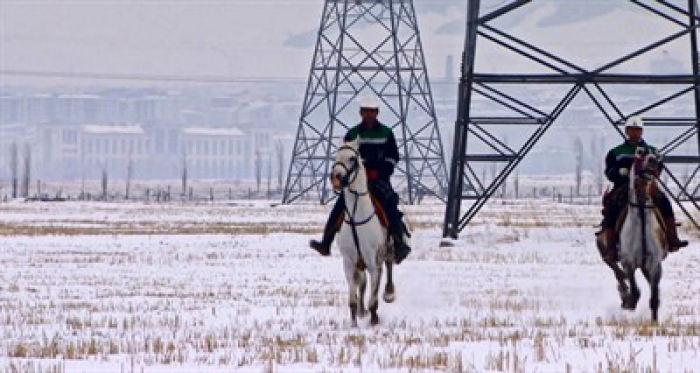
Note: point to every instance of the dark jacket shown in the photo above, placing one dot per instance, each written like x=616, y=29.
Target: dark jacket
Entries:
x=378, y=148
x=622, y=156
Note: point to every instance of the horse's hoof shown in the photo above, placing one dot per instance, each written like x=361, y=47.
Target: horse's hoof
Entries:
x=629, y=304
x=389, y=297
x=361, y=312
x=374, y=320
x=353, y=324
x=628, y=307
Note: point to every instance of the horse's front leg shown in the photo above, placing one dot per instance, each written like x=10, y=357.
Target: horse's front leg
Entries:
x=352, y=291
x=376, y=277
x=361, y=280
x=654, y=278
x=620, y=276
x=389, y=293
x=630, y=301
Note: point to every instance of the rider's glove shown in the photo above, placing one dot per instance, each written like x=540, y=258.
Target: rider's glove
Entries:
x=624, y=172
x=372, y=175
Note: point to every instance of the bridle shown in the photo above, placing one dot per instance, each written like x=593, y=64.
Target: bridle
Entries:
x=345, y=182
x=644, y=172
x=349, y=172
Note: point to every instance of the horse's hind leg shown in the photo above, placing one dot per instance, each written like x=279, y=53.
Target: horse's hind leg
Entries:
x=622, y=287
x=389, y=295
x=654, y=278
x=361, y=280
x=376, y=276
x=620, y=276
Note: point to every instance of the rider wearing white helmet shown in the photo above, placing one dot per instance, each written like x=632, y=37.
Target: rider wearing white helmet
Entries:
x=380, y=153
x=617, y=165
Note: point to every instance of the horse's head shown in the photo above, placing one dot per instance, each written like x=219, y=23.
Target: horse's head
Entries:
x=348, y=165
x=645, y=169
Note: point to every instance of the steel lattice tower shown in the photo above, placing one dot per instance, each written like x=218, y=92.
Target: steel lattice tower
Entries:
x=504, y=99
x=368, y=47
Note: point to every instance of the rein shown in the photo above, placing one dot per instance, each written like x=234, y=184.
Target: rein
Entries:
x=641, y=207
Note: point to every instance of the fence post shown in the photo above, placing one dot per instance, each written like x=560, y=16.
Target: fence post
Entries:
x=571, y=195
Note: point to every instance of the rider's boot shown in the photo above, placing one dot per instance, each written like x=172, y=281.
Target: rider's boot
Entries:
x=398, y=234
x=401, y=248
x=674, y=244
x=324, y=246
x=332, y=226
x=389, y=200
x=611, y=254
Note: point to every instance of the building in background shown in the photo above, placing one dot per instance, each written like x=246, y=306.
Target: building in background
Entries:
x=77, y=135
x=214, y=153
x=114, y=148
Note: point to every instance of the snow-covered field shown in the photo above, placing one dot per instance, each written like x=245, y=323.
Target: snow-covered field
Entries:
x=109, y=287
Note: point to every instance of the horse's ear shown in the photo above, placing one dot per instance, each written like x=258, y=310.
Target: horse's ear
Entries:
x=356, y=143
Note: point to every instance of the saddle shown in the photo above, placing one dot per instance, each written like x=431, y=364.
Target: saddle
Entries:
x=378, y=209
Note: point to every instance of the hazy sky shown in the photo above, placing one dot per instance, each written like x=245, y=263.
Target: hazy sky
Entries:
x=229, y=37
x=271, y=38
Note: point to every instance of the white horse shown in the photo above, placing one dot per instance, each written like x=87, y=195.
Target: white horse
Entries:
x=642, y=239
x=362, y=240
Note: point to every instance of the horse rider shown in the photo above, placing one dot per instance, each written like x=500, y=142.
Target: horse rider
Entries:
x=618, y=162
x=380, y=153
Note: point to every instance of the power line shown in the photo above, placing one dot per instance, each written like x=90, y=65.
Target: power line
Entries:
x=145, y=77
x=286, y=2
x=213, y=79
